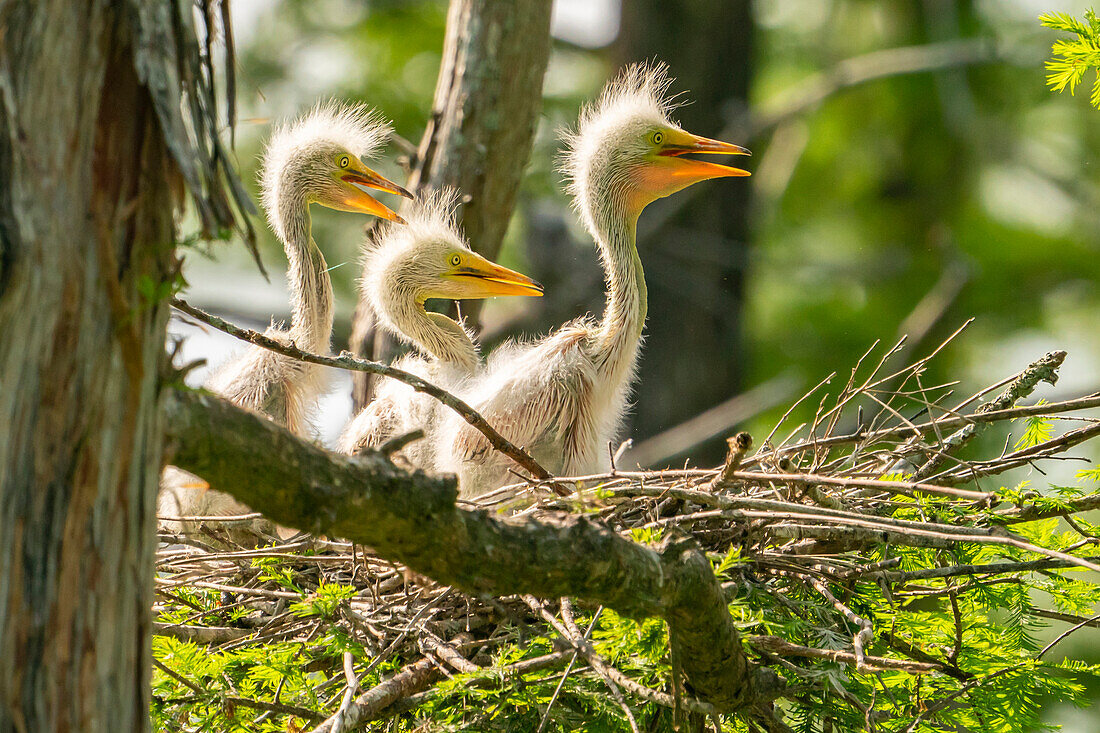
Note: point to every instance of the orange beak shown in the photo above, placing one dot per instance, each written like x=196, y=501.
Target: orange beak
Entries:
x=484, y=279
x=359, y=200
x=692, y=171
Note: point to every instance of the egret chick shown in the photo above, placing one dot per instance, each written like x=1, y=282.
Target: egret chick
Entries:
x=405, y=267
x=316, y=159
x=563, y=397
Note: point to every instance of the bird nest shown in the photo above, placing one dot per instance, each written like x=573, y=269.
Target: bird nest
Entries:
x=872, y=558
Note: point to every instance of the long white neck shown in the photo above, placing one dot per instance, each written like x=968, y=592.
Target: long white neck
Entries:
x=614, y=227
x=433, y=333
x=311, y=308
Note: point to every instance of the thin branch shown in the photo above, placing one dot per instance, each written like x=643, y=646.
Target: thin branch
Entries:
x=1045, y=369
x=565, y=674
x=1023, y=457
x=350, y=363
x=777, y=645
x=869, y=436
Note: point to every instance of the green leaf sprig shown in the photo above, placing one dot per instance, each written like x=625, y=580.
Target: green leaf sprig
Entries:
x=1072, y=59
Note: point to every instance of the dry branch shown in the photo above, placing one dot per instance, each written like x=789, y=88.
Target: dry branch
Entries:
x=780, y=646
x=1044, y=369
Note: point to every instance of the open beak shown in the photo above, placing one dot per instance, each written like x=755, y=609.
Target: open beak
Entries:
x=700, y=170
x=360, y=200
x=486, y=279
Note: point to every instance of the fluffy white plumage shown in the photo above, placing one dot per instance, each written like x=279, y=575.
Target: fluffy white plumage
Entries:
x=395, y=262
x=563, y=397
x=300, y=167
x=357, y=128
x=639, y=93
x=399, y=262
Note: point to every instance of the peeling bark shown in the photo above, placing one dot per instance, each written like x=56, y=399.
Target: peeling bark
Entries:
x=89, y=188
x=80, y=432
x=412, y=518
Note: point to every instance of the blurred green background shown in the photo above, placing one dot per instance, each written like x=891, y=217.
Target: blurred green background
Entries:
x=911, y=171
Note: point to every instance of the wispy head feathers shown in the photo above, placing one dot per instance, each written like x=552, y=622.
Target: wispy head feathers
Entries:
x=330, y=125
x=640, y=91
x=431, y=216
x=392, y=249
x=641, y=87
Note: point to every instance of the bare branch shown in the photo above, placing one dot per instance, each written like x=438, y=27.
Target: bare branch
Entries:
x=777, y=645
x=351, y=363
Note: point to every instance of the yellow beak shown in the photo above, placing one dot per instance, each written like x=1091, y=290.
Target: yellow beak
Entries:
x=484, y=279
x=359, y=200
x=698, y=170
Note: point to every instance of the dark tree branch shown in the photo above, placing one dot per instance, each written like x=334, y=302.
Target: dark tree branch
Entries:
x=412, y=518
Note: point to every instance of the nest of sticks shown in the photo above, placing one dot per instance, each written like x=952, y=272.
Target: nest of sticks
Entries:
x=809, y=532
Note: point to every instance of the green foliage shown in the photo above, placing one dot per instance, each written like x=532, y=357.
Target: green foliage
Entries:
x=324, y=602
x=1073, y=58
x=1039, y=429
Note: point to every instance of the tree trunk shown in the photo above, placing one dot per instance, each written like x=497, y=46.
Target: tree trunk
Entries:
x=694, y=354
x=487, y=102
x=88, y=193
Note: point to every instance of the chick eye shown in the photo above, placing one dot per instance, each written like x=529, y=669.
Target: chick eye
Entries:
x=455, y=259
x=345, y=161
x=658, y=138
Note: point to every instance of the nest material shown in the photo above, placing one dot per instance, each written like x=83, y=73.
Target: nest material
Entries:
x=799, y=531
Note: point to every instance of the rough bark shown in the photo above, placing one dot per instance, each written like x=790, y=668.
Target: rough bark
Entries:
x=413, y=519
x=80, y=445
x=478, y=140
x=694, y=354
x=87, y=191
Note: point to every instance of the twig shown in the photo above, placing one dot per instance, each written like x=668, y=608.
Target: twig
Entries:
x=1067, y=617
x=777, y=645
x=396, y=443
x=1064, y=634
x=348, y=362
x=996, y=568
x=565, y=674
x=597, y=662
x=1044, y=369
x=868, y=435
x=201, y=634
x=738, y=446
x=177, y=677
x=276, y=707
x=1022, y=457
x=861, y=637
x=906, y=488
x=338, y=720
x=225, y=519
